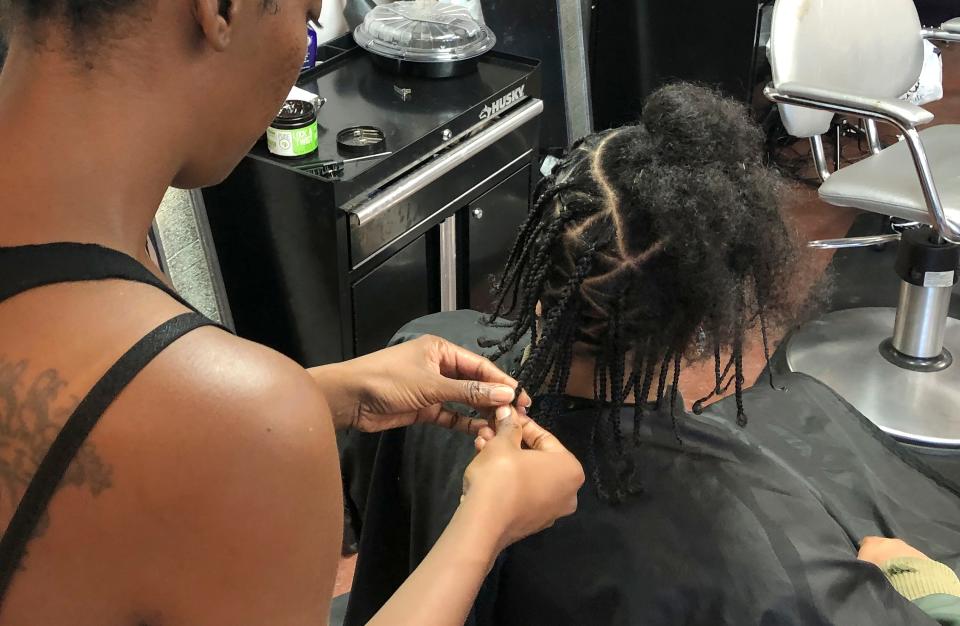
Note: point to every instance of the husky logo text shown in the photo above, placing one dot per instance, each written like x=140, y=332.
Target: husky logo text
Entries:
x=503, y=103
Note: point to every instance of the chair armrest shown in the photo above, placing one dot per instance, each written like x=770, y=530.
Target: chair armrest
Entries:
x=900, y=113
x=948, y=31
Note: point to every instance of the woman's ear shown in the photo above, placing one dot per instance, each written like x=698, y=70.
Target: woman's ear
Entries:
x=215, y=19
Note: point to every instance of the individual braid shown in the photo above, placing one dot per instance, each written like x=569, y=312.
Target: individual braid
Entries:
x=559, y=384
x=640, y=361
x=738, y=377
x=766, y=351
x=595, y=473
x=718, y=377
x=664, y=372
x=720, y=387
x=541, y=350
x=738, y=358
x=532, y=287
x=651, y=361
x=615, y=370
x=515, y=259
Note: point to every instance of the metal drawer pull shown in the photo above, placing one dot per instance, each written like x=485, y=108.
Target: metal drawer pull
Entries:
x=433, y=170
x=478, y=213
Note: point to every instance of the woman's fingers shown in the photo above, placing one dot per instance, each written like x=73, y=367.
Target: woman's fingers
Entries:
x=509, y=427
x=525, y=402
x=457, y=362
x=879, y=550
x=484, y=436
x=463, y=365
x=470, y=392
x=459, y=422
x=537, y=438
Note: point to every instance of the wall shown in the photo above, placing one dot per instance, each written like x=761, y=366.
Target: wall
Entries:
x=332, y=20
x=186, y=255
x=935, y=12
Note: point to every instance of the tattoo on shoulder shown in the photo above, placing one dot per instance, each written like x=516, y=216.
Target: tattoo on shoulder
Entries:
x=32, y=412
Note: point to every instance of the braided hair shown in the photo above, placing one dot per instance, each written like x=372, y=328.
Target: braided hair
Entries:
x=648, y=246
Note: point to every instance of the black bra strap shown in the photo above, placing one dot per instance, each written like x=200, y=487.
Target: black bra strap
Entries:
x=75, y=432
x=27, y=267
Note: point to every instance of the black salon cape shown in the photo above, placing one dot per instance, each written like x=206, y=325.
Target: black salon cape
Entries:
x=736, y=526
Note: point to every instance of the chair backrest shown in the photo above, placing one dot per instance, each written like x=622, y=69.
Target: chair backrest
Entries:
x=868, y=48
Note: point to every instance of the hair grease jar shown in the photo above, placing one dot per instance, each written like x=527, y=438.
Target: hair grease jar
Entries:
x=293, y=134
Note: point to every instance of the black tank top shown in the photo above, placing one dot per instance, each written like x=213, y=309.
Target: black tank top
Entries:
x=27, y=267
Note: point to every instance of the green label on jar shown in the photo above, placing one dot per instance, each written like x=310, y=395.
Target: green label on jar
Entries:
x=292, y=143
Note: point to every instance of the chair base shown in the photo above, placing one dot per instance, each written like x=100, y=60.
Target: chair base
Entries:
x=842, y=350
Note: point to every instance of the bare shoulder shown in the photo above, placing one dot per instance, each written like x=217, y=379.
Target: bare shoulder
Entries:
x=216, y=396
x=208, y=493
x=227, y=467
x=218, y=370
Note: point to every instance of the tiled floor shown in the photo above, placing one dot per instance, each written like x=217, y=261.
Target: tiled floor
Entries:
x=814, y=220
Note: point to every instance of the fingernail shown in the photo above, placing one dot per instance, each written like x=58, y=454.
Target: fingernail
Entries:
x=501, y=394
x=504, y=413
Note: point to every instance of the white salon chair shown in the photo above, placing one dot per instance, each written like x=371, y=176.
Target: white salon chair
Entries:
x=856, y=57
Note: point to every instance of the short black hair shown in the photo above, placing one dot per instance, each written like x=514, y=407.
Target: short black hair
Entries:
x=649, y=244
x=85, y=18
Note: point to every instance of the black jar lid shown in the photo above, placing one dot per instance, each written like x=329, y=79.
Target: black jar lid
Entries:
x=360, y=140
x=295, y=114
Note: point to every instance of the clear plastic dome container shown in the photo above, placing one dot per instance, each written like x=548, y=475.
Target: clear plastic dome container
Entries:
x=424, y=30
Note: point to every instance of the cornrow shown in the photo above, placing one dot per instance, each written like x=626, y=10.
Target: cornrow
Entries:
x=648, y=243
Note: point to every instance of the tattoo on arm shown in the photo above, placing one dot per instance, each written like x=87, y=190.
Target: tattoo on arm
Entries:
x=31, y=416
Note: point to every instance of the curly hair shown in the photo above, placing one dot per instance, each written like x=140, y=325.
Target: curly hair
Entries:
x=649, y=245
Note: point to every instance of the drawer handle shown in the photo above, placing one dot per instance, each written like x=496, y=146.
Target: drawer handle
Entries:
x=432, y=171
x=478, y=213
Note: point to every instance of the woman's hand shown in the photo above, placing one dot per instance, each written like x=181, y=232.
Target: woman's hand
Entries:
x=878, y=550
x=509, y=493
x=410, y=383
x=525, y=490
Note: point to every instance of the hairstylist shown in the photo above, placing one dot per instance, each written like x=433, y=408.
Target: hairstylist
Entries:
x=153, y=468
